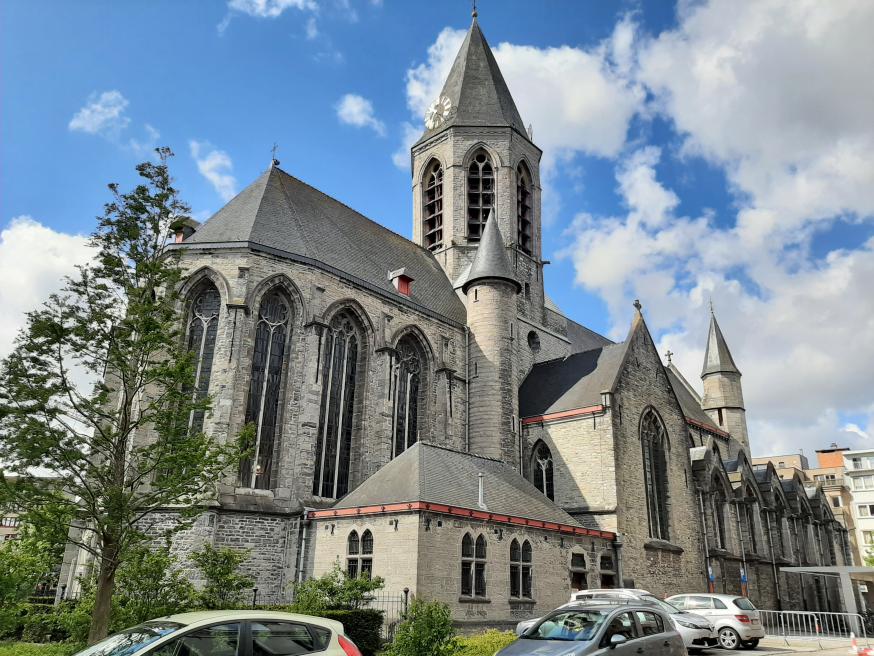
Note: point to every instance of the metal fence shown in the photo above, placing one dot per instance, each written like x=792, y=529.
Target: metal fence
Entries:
x=788, y=624
x=393, y=606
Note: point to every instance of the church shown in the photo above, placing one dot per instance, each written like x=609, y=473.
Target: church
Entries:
x=424, y=412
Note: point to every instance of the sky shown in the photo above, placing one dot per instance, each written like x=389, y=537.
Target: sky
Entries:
x=711, y=151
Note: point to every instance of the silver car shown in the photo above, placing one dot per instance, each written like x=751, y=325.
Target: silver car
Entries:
x=737, y=620
x=586, y=628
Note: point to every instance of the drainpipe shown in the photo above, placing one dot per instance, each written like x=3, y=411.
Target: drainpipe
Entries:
x=301, y=554
x=707, y=569
x=774, y=562
x=467, y=388
x=617, y=550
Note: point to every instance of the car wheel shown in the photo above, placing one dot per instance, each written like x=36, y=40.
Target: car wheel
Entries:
x=750, y=644
x=728, y=638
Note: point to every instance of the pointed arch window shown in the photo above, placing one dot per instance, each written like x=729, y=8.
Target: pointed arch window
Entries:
x=653, y=441
x=202, y=329
x=480, y=193
x=542, y=470
x=407, y=400
x=520, y=569
x=718, y=506
x=262, y=409
x=359, y=555
x=339, y=381
x=523, y=208
x=473, y=566
x=432, y=210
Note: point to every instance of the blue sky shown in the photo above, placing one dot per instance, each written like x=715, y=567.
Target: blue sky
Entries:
x=711, y=150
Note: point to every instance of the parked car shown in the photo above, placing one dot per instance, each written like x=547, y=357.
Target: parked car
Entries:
x=736, y=619
x=228, y=633
x=583, y=629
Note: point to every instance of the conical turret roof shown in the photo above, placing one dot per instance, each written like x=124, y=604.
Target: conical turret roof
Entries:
x=490, y=261
x=476, y=89
x=718, y=358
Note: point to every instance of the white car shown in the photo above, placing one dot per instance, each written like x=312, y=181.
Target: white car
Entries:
x=736, y=619
x=228, y=633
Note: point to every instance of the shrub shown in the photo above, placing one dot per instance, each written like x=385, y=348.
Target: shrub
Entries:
x=426, y=631
x=225, y=585
x=485, y=644
x=362, y=626
x=334, y=590
x=148, y=586
x=12, y=620
x=27, y=649
x=45, y=625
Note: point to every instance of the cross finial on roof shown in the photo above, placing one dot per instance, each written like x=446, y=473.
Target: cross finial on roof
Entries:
x=711, y=305
x=637, y=305
x=669, y=354
x=474, y=13
x=273, y=160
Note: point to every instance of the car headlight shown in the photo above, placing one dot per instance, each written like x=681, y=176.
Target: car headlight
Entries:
x=688, y=625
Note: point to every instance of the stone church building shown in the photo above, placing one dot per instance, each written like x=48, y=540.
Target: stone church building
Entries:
x=425, y=413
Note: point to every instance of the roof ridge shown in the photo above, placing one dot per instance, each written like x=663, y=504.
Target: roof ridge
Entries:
x=459, y=451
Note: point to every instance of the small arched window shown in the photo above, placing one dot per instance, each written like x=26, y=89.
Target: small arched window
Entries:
x=359, y=555
x=480, y=193
x=268, y=357
x=523, y=208
x=202, y=330
x=339, y=382
x=653, y=441
x=432, y=206
x=520, y=569
x=473, y=566
x=407, y=394
x=542, y=470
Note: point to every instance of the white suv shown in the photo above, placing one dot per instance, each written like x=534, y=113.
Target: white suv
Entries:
x=736, y=619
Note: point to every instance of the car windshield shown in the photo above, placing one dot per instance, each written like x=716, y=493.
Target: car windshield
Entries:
x=130, y=641
x=743, y=603
x=664, y=605
x=568, y=625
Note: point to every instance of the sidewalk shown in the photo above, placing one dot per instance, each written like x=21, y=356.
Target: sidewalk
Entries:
x=779, y=646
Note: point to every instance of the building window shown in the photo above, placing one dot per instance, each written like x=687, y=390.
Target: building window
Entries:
x=339, y=378
x=523, y=208
x=407, y=392
x=655, y=470
x=520, y=569
x=359, y=555
x=533, y=341
x=749, y=511
x=866, y=510
x=432, y=198
x=10, y=522
x=837, y=503
x=202, y=329
x=868, y=537
x=863, y=482
x=718, y=505
x=542, y=470
x=262, y=409
x=473, y=566
x=480, y=193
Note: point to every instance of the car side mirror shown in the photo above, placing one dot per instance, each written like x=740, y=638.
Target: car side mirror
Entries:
x=617, y=639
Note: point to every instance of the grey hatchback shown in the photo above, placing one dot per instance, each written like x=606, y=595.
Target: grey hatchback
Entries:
x=588, y=629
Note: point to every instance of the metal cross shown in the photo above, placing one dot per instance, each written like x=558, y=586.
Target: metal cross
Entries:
x=474, y=13
x=273, y=153
x=668, y=356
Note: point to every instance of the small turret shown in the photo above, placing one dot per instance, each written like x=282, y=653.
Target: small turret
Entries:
x=723, y=395
x=491, y=290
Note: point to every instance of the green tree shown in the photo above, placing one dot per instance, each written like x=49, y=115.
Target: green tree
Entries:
x=334, y=591
x=118, y=449
x=225, y=586
x=149, y=585
x=426, y=631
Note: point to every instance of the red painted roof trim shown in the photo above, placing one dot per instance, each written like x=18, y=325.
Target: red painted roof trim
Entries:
x=565, y=414
x=467, y=513
x=703, y=426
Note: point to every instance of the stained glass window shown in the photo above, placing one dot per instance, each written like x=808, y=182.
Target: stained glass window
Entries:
x=406, y=385
x=202, y=329
x=655, y=472
x=542, y=470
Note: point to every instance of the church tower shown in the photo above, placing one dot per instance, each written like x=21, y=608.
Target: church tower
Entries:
x=723, y=396
x=491, y=290
x=475, y=160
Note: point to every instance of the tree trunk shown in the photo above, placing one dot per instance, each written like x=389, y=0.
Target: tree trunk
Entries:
x=103, y=598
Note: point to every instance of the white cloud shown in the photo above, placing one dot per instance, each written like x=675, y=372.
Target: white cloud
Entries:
x=33, y=260
x=855, y=429
x=216, y=166
x=270, y=8
x=356, y=110
x=103, y=114
x=312, y=28
x=410, y=135
x=146, y=146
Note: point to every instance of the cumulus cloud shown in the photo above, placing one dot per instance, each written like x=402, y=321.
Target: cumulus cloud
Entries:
x=216, y=166
x=103, y=114
x=270, y=8
x=357, y=111
x=33, y=261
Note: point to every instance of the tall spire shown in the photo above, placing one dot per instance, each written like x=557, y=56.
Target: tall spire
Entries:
x=718, y=358
x=475, y=89
x=490, y=261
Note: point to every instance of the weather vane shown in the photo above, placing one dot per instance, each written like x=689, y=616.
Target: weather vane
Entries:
x=274, y=161
x=474, y=12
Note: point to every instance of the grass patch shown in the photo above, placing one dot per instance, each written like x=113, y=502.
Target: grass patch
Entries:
x=35, y=649
x=484, y=644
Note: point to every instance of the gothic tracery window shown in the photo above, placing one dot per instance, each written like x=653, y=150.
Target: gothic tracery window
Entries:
x=339, y=377
x=523, y=208
x=473, y=566
x=202, y=330
x=653, y=441
x=480, y=193
x=407, y=374
x=359, y=555
x=542, y=469
x=520, y=569
x=262, y=409
x=432, y=210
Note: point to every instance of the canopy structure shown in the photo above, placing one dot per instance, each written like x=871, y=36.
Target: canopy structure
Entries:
x=846, y=573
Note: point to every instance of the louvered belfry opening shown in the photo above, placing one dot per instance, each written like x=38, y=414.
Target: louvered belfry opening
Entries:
x=523, y=209
x=480, y=193
x=433, y=206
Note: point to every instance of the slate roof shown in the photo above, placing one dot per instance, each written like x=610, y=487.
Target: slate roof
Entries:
x=690, y=406
x=285, y=215
x=570, y=383
x=490, y=261
x=435, y=474
x=477, y=89
x=717, y=358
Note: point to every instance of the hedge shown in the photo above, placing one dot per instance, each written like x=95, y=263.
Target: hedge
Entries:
x=362, y=626
x=485, y=644
x=30, y=649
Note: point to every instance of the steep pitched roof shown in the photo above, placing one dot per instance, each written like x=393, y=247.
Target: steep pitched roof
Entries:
x=690, y=405
x=490, y=261
x=477, y=90
x=283, y=215
x=570, y=383
x=435, y=474
x=717, y=358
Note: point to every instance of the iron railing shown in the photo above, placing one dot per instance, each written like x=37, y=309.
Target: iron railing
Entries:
x=393, y=606
x=813, y=625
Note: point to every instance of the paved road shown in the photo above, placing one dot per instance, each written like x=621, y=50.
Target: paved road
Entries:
x=768, y=646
